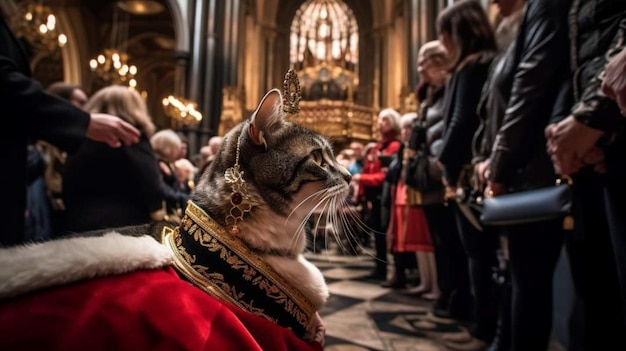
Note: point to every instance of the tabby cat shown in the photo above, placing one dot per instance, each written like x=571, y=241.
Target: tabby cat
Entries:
x=290, y=173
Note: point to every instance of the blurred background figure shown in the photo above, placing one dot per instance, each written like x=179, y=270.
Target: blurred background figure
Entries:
x=466, y=33
x=424, y=175
x=357, y=159
x=55, y=157
x=370, y=183
x=207, y=153
x=105, y=187
x=167, y=145
x=185, y=174
x=408, y=238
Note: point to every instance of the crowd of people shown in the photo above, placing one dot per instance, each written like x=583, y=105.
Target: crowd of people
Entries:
x=507, y=109
x=503, y=109
x=98, y=187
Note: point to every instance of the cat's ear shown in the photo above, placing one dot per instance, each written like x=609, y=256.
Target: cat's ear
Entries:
x=266, y=115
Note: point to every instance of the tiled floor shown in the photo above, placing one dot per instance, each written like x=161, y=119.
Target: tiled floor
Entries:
x=361, y=315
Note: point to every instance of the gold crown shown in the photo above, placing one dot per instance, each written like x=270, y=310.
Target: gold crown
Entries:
x=291, y=92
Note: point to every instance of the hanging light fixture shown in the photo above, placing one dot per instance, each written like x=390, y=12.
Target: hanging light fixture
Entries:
x=182, y=111
x=38, y=25
x=111, y=66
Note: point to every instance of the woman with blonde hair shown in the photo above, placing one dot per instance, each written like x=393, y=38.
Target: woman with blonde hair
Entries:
x=105, y=187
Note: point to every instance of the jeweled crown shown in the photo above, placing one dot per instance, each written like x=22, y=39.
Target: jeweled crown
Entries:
x=292, y=93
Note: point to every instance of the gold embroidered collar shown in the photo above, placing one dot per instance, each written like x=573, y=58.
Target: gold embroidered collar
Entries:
x=221, y=265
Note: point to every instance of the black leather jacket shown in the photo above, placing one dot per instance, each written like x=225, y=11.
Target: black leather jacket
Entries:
x=596, y=37
x=461, y=120
x=539, y=79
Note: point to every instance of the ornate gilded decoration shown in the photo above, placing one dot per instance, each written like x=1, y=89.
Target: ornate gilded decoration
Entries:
x=328, y=105
x=291, y=92
x=221, y=265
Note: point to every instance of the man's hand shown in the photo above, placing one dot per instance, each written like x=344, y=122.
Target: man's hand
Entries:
x=614, y=83
x=568, y=142
x=111, y=130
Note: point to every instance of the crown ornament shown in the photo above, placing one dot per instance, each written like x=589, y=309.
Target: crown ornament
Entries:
x=292, y=93
x=239, y=198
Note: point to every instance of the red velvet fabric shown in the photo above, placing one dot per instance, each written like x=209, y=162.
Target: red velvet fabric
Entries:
x=146, y=310
x=373, y=173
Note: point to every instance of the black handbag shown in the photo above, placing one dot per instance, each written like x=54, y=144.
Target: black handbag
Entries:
x=530, y=206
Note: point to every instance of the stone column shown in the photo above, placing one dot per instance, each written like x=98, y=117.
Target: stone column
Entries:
x=196, y=70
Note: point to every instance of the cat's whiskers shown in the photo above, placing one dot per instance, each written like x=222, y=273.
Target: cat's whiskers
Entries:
x=323, y=195
x=327, y=204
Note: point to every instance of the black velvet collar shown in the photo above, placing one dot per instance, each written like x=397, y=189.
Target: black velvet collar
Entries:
x=220, y=264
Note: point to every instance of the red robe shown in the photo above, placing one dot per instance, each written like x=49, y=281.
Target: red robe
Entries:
x=146, y=309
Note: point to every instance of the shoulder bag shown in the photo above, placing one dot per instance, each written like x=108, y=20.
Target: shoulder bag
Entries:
x=531, y=206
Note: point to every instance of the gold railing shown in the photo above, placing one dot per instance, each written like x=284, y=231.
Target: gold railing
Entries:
x=341, y=121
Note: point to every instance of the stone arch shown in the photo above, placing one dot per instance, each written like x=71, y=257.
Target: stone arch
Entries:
x=179, y=11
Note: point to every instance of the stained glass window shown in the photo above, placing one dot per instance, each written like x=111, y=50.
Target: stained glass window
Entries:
x=324, y=31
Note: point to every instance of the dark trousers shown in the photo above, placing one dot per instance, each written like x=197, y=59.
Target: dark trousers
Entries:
x=380, y=239
x=615, y=200
x=403, y=261
x=481, y=250
x=452, y=267
x=591, y=251
x=534, y=250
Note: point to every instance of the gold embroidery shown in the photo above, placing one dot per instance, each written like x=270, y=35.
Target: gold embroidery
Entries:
x=210, y=235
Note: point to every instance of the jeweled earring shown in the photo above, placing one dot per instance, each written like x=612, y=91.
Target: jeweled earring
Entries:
x=239, y=194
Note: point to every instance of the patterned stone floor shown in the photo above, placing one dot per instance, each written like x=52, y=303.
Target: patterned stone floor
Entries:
x=362, y=315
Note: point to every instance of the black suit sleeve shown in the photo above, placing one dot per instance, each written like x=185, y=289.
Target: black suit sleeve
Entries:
x=42, y=115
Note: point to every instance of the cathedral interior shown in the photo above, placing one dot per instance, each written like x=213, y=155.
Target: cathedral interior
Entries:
x=203, y=65
x=353, y=57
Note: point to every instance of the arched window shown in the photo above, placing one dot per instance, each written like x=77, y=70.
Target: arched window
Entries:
x=324, y=31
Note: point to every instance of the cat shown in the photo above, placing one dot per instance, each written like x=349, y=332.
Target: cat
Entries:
x=290, y=172
x=276, y=174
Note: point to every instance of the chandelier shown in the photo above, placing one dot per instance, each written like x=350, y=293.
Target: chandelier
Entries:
x=38, y=25
x=182, y=111
x=111, y=66
x=324, y=31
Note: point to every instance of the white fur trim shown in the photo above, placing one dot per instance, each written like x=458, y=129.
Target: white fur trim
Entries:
x=35, y=266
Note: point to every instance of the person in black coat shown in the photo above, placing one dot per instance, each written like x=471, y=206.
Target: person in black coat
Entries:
x=29, y=113
x=467, y=35
x=534, y=75
x=588, y=144
x=108, y=188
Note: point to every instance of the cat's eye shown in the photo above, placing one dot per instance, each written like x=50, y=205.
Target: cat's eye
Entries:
x=318, y=157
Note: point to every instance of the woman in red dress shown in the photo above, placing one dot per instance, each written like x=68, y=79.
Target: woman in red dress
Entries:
x=408, y=232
